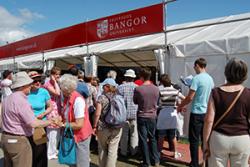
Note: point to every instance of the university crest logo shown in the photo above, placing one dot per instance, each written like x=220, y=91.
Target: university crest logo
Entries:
x=102, y=28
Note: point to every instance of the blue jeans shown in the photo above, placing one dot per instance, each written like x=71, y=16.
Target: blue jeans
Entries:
x=196, y=123
x=146, y=130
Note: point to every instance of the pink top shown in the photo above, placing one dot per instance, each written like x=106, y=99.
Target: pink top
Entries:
x=17, y=114
x=56, y=104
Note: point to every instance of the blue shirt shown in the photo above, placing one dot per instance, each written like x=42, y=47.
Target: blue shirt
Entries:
x=202, y=84
x=38, y=100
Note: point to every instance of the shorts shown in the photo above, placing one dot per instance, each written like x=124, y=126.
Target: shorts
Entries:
x=170, y=133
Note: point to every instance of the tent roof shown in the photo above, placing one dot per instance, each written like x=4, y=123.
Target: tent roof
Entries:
x=209, y=30
x=224, y=35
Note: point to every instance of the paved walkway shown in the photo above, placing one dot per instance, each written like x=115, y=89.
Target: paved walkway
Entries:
x=185, y=154
x=129, y=161
x=122, y=162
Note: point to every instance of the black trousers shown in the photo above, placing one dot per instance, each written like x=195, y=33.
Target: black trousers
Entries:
x=196, y=123
x=39, y=154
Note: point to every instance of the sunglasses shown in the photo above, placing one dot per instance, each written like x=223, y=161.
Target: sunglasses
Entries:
x=38, y=80
x=106, y=86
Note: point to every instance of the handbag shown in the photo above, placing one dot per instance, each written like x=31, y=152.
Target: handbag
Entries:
x=39, y=136
x=67, y=148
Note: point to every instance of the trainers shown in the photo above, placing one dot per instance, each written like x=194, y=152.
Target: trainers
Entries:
x=157, y=165
x=52, y=157
x=177, y=155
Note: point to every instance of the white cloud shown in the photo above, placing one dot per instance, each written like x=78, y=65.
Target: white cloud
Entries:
x=27, y=14
x=12, y=26
x=9, y=20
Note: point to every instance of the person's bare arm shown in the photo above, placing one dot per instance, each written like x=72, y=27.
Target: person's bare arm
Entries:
x=47, y=111
x=77, y=124
x=40, y=123
x=208, y=125
x=97, y=115
x=186, y=100
x=55, y=89
x=181, y=96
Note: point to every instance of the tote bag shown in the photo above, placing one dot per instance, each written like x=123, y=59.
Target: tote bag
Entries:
x=67, y=148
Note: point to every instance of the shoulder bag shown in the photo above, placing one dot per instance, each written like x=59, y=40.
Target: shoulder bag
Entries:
x=228, y=109
x=67, y=148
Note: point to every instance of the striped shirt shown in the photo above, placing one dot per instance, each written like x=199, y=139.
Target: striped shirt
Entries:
x=169, y=96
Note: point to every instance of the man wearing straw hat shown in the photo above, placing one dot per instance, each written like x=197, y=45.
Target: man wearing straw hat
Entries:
x=18, y=121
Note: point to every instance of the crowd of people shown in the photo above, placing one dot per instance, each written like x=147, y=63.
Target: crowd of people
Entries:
x=219, y=117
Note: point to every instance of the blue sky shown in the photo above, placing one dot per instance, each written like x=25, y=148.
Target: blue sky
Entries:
x=24, y=18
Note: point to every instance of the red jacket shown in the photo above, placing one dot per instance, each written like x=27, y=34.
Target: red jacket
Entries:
x=86, y=129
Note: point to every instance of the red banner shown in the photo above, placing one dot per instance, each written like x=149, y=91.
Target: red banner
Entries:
x=147, y=20
x=56, y=39
x=141, y=21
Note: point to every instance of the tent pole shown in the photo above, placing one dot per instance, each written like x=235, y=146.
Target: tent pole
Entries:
x=167, y=55
x=43, y=61
x=14, y=62
x=87, y=45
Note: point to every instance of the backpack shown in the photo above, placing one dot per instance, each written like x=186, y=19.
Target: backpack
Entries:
x=116, y=115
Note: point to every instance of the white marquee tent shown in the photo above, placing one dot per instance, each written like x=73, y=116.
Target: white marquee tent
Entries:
x=215, y=39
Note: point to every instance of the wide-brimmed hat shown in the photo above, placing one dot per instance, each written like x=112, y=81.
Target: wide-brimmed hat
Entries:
x=21, y=79
x=109, y=81
x=34, y=74
x=130, y=73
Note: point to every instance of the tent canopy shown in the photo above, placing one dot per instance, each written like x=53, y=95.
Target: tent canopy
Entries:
x=222, y=38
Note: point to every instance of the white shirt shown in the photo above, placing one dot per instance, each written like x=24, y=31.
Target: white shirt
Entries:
x=79, y=108
x=5, y=86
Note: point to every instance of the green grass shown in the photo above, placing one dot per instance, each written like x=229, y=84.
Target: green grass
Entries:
x=183, y=140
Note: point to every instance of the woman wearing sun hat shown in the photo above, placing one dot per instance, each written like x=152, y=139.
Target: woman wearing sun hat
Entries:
x=108, y=138
x=18, y=121
x=39, y=99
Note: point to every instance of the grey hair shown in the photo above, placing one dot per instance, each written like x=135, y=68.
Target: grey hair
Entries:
x=68, y=83
x=112, y=74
